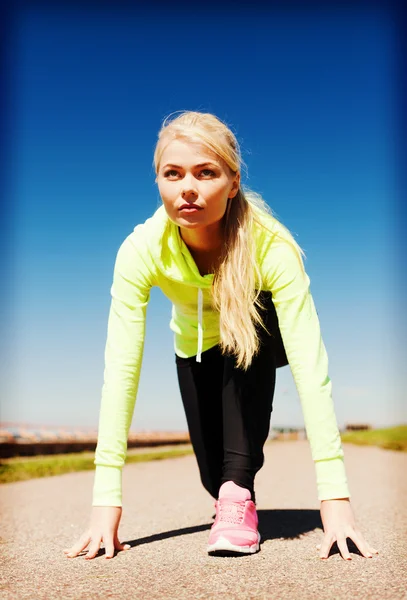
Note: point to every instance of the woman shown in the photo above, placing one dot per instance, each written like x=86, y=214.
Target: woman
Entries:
x=241, y=308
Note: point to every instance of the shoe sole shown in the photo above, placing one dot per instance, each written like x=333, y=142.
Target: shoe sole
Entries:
x=223, y=545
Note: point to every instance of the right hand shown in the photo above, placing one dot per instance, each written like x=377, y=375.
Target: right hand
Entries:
x=104, y=524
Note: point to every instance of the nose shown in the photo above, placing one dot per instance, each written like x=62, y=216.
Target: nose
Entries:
x=188, y=187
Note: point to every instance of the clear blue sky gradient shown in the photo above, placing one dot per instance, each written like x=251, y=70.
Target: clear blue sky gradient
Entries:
x=310, y=97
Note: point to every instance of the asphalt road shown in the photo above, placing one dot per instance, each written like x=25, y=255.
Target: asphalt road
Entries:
x=167, y=515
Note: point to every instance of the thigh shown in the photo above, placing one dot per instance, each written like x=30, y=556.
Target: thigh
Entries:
x=201, y=392
x=273, y=327
x=248, y=396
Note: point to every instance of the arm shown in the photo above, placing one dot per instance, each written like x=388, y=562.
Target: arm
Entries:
x=306, y=353
x=123, y=358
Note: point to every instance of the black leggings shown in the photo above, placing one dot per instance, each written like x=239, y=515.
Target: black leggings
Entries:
x=228, y=410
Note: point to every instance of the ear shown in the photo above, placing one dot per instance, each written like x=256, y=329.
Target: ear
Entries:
x=235, y=186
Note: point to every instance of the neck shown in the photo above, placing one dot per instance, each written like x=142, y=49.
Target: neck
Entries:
x=204, y=240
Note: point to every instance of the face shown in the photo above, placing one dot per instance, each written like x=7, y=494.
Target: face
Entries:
x=191, y=174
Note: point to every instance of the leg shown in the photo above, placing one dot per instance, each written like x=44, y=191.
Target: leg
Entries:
x=228, y=410
x=201, y=391
x=247, y=405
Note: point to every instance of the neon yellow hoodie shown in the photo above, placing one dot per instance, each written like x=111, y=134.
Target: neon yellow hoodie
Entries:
x=154, y=254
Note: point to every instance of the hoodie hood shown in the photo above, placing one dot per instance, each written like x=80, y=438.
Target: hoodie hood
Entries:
x=170, y=253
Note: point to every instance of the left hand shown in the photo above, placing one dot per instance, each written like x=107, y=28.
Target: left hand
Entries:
x=339, y=524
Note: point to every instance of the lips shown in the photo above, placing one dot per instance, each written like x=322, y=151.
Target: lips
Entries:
x=190, y=207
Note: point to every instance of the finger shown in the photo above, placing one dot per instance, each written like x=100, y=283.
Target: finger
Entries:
x=362, y=545
x=360, y=541
x=373, y=550
x=120, y=546
x=110, y=546
x=115, y=545
x=343, y=547
x=94, y=548
x=326, y=546
x=78, y=547
x=82, y=542
x=109, y=549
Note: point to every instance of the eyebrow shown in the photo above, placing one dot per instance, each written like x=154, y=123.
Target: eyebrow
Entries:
x=205, y=164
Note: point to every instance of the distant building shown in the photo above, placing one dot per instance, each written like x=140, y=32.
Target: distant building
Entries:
x=288, y=433
x=357, y=427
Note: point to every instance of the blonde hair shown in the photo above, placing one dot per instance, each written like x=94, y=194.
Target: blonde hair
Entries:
x=234, y=292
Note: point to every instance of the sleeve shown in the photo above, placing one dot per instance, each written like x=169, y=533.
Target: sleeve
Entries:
x=308, y=360
x=130, y=294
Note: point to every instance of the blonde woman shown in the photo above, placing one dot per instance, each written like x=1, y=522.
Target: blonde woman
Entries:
x=242, y=308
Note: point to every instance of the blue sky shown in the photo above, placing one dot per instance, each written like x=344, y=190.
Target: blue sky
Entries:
x=310, y=97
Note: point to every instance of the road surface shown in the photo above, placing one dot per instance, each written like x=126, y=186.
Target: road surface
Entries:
x=167, y=515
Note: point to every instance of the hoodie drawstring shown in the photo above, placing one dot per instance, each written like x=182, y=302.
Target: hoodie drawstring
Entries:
x=200, y=330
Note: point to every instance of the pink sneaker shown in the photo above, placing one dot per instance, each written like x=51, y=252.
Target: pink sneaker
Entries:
x=235, y=526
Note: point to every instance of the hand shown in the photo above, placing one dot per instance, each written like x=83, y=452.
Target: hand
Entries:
x=104, y=524
x=339, y=523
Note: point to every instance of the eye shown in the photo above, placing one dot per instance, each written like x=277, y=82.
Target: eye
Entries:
x=208, y=172
x=170, y=173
